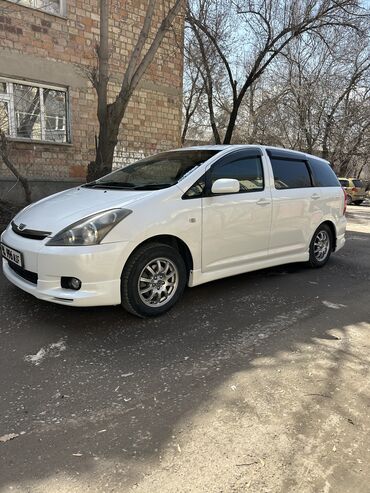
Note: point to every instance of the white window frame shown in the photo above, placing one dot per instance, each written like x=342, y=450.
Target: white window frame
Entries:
x=32, y=5
x=8, y=97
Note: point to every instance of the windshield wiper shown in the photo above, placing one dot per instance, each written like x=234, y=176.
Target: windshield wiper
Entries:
x=110, y=184
x=126, y=186
x=153, y=186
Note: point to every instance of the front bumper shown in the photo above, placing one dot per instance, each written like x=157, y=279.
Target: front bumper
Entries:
x=99, y=268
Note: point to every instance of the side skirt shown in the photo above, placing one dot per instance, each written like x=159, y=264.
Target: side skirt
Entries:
x=198, y=277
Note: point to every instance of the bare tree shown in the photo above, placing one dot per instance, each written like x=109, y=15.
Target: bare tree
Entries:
x=110, y=115
x=348, y=106
x=313, y=97
x=266, y=28
x=325, y=105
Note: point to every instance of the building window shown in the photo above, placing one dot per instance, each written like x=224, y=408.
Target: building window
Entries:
x=57, y=7
x=34, y=112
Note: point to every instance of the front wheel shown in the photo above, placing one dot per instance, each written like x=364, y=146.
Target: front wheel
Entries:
x=153, y=280
x=358, y=202
x=321, y=246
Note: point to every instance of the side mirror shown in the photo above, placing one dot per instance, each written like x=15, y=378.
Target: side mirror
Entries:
x=226, y=185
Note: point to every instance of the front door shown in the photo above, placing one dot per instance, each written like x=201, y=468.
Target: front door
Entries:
x=236, y=227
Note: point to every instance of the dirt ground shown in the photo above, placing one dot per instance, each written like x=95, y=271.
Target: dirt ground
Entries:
x=257, y=383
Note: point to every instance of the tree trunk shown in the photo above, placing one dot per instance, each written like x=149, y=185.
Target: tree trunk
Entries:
x=358, y=174
x=104, y=154
x=343, y=167
x=212, y=119
x=325, y=147
x=185, y=129
x=231, y=124
x=108, y=137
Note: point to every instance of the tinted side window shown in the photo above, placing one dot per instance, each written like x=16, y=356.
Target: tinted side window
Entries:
x=323, y=175
x=358, y=183
x=247, y=170
x=290, y=173
x=344, y=183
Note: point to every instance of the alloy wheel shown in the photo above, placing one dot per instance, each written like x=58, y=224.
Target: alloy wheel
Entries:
x=158, y=282
x=321, y=245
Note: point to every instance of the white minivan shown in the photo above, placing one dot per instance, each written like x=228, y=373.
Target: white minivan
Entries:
x=139, y=235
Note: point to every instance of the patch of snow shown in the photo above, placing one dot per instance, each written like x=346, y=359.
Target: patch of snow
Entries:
x=53, y=350
x=335, y=306
x=10, y=436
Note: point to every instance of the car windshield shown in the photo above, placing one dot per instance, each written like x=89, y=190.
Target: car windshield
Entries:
x=155, y=172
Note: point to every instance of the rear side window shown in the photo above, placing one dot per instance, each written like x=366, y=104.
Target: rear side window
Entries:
x=323, y=175
x=358, y=183
x=247, y=170
x=290, y=173
x=344, y=183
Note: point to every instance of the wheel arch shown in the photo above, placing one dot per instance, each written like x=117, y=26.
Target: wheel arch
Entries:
x=173, y=241
x=333, y=230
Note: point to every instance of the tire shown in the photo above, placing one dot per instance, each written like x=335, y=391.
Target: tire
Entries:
x=321, y=246
x=349, y=200
x=165, y=268
x=358, y=202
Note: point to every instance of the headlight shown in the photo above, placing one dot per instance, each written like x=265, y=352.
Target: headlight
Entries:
x=91, y=230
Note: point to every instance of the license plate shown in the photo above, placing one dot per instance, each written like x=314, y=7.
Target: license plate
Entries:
x=11, y=255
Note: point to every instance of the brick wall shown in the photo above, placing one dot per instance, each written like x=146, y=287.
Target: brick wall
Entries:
x=53, y=50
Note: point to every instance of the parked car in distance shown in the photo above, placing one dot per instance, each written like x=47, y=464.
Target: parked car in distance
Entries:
x=139, y=235
x=355, y=190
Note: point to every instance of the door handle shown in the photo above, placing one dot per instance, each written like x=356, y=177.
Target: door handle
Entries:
x=263, y=201
x=315, y=196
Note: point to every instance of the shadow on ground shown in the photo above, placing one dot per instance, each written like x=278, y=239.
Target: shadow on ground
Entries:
x=122, y=387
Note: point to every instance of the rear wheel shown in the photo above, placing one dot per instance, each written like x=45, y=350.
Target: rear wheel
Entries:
x=153, y=280
x=321, y=246
x=349, y=200
x=358, y=202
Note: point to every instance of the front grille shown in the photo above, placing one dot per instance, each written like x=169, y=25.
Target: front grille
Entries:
x=25, y=274
x=30, y=233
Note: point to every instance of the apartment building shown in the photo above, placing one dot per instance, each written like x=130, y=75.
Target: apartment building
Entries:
x=48, y=105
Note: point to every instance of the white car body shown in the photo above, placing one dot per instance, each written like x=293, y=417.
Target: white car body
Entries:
x=225, y=235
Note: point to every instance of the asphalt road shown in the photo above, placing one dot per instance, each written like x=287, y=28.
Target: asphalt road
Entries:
x=258, y=382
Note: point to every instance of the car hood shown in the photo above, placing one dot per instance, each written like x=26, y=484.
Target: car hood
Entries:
x=62, y=209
